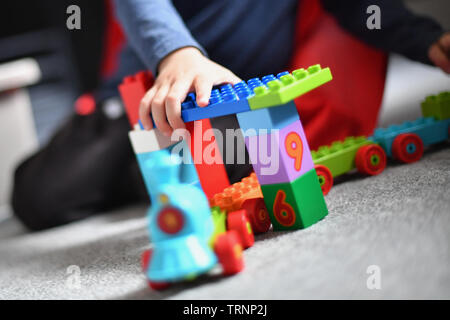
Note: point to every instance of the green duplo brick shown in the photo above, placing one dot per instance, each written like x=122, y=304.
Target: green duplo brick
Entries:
x=437, y=106
x=289, y=87
x=339, y=158
x=219, y=218
x=295, y=205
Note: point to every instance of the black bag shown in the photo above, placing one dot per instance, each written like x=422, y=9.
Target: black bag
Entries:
x=87, y=167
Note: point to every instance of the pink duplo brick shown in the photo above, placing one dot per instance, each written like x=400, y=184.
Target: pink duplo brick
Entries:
x=280, y=156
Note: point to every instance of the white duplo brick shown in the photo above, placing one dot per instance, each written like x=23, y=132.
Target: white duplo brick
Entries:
x=149, y=140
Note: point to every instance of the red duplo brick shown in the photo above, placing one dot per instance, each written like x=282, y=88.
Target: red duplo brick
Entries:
x=213, y=177
x=132, y=89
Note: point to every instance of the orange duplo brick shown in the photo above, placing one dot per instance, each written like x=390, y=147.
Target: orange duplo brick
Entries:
x=232, y=197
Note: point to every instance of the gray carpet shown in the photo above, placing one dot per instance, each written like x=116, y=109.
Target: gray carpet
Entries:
x=399, y=221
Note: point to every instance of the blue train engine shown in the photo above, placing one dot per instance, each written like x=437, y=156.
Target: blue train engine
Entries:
x=182, y=228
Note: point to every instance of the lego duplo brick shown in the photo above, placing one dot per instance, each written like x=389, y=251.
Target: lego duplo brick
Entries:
x=429, y=130
x=274, y=91
x=225, y=100
x=251, y=122
x=232, y=197
x=219, y=217
x=132, y=90
x=295, y=205
x=149, y=140
x=213, y=176
x=437, y=106
x=339, y=158
x=256, y=93
x=280, y=155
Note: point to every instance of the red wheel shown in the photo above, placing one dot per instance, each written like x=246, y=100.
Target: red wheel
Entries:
x=145, y=261
x=407, y=147
x=325, y=178
x=158, y=285
x=229, y=252
x=257, y=213
x=371, y=159
x=238, y=221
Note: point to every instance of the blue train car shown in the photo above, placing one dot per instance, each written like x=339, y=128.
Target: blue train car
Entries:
x=187, y=238
x=406, y=142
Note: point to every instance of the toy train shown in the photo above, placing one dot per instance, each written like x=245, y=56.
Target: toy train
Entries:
x=404, y=143
x=191, y=236
x=188, y=237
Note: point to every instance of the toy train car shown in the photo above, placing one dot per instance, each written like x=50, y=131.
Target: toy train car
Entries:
x=404, y=143
x=245, y=196
x=342, y=157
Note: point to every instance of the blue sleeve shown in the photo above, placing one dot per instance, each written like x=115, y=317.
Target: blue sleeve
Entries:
x=154, y=29
x=401, y=30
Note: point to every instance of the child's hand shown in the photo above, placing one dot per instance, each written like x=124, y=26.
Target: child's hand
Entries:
x=182, y=71
x=439, y=53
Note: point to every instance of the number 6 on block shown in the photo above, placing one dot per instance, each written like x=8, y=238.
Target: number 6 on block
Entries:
x=283, y=211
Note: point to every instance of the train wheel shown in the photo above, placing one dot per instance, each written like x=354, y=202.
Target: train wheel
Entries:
x=325, y=178
x=258, y=215
x=229, y=252
x=238, y=221
x=158, y=285
x=407, y=147
x=370, y=159
x=145, y=261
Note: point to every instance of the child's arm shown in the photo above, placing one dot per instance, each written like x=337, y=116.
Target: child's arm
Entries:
x=416, y=37
x=157, y=33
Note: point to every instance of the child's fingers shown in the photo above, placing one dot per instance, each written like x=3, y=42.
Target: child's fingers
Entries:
x=145, y=108
x=439, y=58
x=159, y=110
x=445, y=42
x=203, y=90
x=176, y=95
x=230, y=77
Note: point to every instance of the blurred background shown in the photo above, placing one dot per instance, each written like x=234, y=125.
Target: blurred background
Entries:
x=44, y=67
